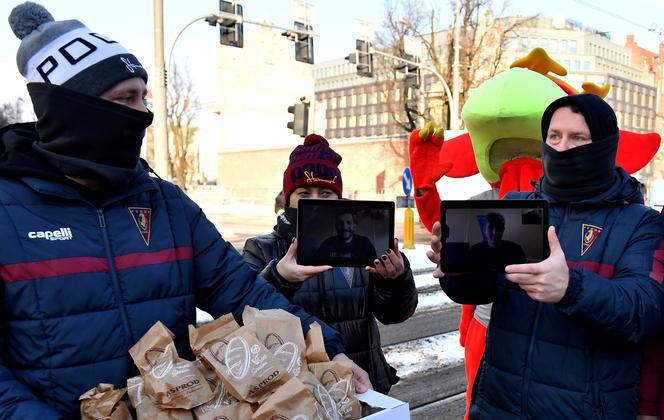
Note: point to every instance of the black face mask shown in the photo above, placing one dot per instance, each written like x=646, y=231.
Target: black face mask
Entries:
x=581, y=172
x=87, y=137
x=287, y=223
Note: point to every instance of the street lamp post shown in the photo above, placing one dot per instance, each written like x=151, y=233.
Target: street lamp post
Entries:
x=454, y=104
x=191, y=22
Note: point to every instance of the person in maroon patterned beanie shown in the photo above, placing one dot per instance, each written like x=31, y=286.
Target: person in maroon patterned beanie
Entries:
x=313, y=164
x=350, y=299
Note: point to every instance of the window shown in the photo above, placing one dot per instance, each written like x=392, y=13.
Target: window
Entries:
x=566, y=64
x=373, y=119
x=332, y=123
x=342, y=102
x=524, y=43
x=577, y=65
x=363, y=99
x=332, y=103
x=373, y=98
x=554, y=45
x=353, y=100
x=563, y=45
x=586, y=65
x=352, y=121
x=342, y=122
x=572, y=46
x=362, y=120
x=544, y=43
x=533, y=43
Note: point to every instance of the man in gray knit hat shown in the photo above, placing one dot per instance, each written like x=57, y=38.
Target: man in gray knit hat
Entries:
x=94, y=249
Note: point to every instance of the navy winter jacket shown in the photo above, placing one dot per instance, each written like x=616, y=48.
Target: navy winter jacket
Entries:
x=579, y=358
x=82, y=283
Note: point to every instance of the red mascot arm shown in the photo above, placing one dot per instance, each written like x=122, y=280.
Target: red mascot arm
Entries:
x=431, y=158
x=426, y=170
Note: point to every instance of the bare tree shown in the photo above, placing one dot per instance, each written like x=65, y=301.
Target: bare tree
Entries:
x=181, y=112
x=481, y=52
x=403, y=20
x=11, y=112
x=482, y=42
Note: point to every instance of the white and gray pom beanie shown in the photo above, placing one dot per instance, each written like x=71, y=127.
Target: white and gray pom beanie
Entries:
x=68, y=54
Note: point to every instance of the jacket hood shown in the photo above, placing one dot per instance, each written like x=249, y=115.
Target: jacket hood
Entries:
x=18, y=158
x=626, y=189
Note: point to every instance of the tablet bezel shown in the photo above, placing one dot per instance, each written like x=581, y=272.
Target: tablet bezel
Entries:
x=543, y=205
x=305, y=204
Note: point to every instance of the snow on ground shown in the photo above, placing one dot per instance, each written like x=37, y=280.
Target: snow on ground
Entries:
x=418, y=257
x=429, y=300
x=418, y=356
x=425, y=280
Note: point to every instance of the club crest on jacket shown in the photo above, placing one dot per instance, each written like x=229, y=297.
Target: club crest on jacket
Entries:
x=143, y=218
x=589, y=234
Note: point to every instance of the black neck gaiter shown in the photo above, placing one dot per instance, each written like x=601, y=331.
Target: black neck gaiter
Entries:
x=581, y=172
x=287, y=223
x=87, y=137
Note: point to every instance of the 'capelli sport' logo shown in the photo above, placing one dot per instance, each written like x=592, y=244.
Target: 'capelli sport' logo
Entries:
x=62, y=234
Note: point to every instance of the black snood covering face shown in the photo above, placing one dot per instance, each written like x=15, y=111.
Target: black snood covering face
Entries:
x=87, y=137
x=581, y=172
x=584, y=171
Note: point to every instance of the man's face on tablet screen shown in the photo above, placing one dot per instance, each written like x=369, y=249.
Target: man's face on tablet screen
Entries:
x=346, y=226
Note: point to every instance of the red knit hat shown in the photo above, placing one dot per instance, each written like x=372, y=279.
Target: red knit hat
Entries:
x=313, y=164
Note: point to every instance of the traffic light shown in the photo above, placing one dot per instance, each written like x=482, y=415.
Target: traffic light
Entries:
x=304, y=44
x=362, y=58
x=300, y=123
x=412, y=71
x=230, y=30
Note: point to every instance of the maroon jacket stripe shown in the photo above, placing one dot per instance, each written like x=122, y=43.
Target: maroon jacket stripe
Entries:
x=147, y=258
x=66, y=266
x=50, y=268
x=604, y=270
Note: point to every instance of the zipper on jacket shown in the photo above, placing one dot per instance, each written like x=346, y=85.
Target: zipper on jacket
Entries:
x=531, y=344
x=526, y=372
x=114, y=278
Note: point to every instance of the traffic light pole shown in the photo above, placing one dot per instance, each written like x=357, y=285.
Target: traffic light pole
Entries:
x=219, y=16
x=455, y=123
x=160, y=163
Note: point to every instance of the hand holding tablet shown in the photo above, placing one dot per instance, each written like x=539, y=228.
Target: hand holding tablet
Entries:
x=487, y=235
x=344, y=233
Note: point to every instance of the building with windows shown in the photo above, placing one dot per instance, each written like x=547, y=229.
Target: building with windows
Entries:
x=358, y=114
x=589, y=55
x=353, y=105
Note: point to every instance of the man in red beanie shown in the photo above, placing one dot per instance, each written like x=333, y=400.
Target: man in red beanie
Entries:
x=347, y=298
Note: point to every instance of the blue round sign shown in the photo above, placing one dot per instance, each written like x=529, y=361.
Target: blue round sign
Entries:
x=407, y=181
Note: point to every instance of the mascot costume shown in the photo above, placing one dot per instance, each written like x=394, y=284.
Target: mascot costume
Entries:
x=503, y=144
